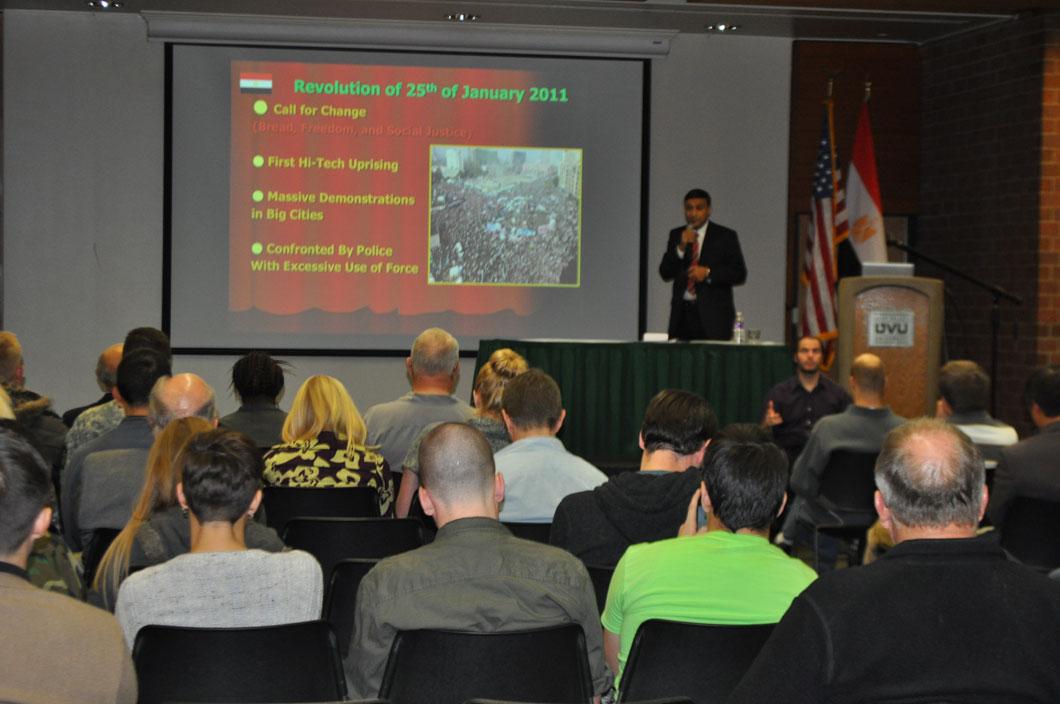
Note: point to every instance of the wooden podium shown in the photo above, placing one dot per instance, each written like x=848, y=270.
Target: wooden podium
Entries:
x=899, y=319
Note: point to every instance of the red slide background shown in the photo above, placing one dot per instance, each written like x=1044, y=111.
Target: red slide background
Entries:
x=404, y=228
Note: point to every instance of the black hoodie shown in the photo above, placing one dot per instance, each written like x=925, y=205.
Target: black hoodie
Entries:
x=633, y=507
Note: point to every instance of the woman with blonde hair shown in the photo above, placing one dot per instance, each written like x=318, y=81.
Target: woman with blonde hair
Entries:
x=323, y=444
x=503, y=365
x=158, y=530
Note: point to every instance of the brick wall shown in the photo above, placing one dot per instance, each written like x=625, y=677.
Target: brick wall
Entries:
x=989, y=204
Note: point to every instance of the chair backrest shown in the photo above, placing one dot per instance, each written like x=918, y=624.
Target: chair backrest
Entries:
x=282, y=503
x=444, y=667
x=94, y=552
x=849, y=481
x=601, y=576
x=340, y=602
x=704, y=662
x=332, y=539
x=296, y=662
x=1031, y=532
x=538, y=532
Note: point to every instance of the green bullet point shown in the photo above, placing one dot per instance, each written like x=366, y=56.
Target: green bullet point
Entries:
x=256, y=248
x=258, y=161
x=258, y=196
x=261, y=107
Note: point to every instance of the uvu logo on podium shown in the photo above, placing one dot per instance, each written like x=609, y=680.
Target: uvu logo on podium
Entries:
x=891, y=328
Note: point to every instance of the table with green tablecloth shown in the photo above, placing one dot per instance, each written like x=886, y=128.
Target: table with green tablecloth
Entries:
x=607, y=385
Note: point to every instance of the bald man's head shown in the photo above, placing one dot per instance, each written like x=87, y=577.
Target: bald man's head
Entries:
x=107, y=366
x=868, y=374
x=456, y=465
x=434, y=353
x=181, y=396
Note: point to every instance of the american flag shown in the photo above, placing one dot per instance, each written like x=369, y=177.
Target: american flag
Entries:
x=828, y=229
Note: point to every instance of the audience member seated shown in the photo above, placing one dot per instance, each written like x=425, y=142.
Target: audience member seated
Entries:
x=221, y=583
x=502, y=366
x=725, y=572
x=475, y=576
x=794, y=406
x=942, y=617
x=433, y=370
x=538, y=471
x=324, y=445
x=32, y=411
x=120, y=455
x=103, y=418
x=54, y=649
x=158, y=530
x=106, y=377
x=637, y=507
x=861, y=427
x=1032, y=467
x=964, y=397
x=257, y=380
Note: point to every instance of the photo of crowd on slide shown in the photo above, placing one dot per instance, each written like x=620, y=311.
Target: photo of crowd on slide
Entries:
x=505, y=216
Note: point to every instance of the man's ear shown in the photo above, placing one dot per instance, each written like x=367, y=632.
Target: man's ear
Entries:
x=426, y=501
x=701, y=453
x=180, y=496
x=41, y=524
x=255, y=503
x=507, y=420
x=559, y=422
x=783, y=504
x=640, y=440
x=886, y=517
x=498, y=488
x=983, y=503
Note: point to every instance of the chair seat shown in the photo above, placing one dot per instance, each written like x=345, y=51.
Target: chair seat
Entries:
x=701, y=661
x=296, y=662
x=547, y=665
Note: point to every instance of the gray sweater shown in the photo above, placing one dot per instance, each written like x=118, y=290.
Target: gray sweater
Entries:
x=222, y=590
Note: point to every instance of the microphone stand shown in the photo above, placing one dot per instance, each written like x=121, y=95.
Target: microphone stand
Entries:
x=997, y=294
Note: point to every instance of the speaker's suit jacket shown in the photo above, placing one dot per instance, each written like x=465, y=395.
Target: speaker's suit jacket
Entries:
x=721, y=252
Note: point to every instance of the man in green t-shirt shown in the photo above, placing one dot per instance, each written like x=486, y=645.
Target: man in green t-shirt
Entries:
x=725, y=572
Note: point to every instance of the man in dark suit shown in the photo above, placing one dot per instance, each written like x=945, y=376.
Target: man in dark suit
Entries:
x=1031, y=467
x=704, y=261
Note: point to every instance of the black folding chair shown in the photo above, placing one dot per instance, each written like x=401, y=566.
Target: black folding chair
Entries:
x=601, y=576
x=703, y=662
x=340, y=602
x=538, y=532
x=1031, y=532
x=282, y=503
x=848, y=485
x=332, y=539
x=94, y=552
x=443, y=667
x=296, y=662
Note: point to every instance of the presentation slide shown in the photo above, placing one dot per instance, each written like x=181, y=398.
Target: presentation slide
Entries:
x=348, y=200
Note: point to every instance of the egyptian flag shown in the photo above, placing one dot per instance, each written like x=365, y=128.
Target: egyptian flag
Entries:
x=255, y=82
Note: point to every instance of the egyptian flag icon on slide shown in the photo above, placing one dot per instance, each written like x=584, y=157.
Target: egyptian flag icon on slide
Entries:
x=255, y=82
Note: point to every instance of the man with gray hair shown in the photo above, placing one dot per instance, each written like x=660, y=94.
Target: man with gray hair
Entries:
x=475, y=577
x=106, y=378
x=943, y=616
x=433, y=370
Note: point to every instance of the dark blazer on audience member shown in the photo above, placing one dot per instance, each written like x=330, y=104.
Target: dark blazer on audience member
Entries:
x=1028, y=468
x=721, y=252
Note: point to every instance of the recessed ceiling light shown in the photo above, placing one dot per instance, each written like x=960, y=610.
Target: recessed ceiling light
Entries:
x=461, y=17
x=104, y=4
x=722, y=27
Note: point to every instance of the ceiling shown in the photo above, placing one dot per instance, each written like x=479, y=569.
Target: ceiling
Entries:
x=915, y=21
